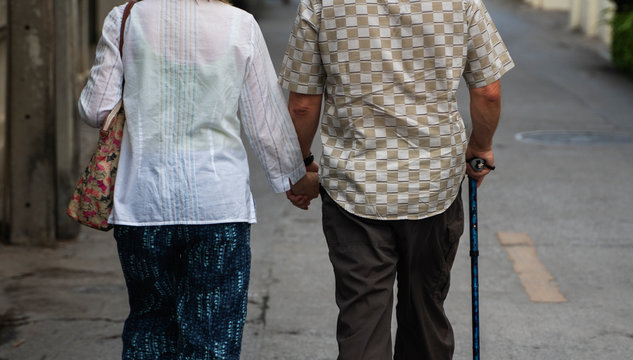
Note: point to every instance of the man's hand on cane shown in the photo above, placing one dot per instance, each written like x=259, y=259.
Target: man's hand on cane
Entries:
x=484, y=168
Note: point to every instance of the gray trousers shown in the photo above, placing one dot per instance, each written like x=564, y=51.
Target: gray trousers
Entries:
x=366, y=256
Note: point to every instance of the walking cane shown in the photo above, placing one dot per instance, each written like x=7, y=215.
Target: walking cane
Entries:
x=478, y=165
x=474, y=263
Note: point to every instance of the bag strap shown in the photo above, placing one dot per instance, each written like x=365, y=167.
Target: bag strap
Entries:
x=126, y=13
x=103, y=132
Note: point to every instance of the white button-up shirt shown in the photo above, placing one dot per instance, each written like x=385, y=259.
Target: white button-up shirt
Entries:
x=195, y=74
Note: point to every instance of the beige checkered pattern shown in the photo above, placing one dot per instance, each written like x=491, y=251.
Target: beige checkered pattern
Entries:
x=393, y=139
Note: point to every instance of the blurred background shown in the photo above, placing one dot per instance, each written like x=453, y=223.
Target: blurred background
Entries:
x=561, y=197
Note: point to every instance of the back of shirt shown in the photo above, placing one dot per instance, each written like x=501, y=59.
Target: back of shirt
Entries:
x=393, y=138
x=196, y=74
x=184, y=66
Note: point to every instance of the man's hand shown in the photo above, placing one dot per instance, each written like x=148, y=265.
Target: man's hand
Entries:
x=306, y=189
x=485, y=155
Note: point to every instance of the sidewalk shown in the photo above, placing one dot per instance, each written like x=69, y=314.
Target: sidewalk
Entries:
x=65, y=303
x=574, y=200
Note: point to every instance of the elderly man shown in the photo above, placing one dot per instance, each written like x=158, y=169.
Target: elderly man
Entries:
x=394, y=154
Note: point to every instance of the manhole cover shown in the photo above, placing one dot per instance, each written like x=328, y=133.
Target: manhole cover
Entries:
x=573, y=137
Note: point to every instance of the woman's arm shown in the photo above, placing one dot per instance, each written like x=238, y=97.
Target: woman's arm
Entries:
x=266, y=121
x=104, y=87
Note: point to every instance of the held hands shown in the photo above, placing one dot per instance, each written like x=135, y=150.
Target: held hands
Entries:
x=306, y=189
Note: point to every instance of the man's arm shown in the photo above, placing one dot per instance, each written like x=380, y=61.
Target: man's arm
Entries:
x=305, y=111
x=485, y=110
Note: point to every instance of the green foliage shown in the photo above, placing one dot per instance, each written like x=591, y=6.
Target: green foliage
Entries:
x=622, y=47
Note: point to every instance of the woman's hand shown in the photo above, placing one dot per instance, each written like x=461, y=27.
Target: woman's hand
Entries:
x=306, y=189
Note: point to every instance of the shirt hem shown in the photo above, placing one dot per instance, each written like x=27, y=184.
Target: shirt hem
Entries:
x=305, y=89
x=183, y=222
x=413, y=217
x=281, y=184
x=489, y=80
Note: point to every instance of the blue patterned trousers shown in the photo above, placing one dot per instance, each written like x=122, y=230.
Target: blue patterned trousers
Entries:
x=187, y=287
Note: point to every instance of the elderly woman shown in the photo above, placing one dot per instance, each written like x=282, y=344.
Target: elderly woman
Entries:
x=196, y=72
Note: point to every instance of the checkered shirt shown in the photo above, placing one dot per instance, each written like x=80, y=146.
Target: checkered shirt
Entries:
x=393, y=138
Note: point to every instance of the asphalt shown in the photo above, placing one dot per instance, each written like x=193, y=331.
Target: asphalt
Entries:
x=573, y=198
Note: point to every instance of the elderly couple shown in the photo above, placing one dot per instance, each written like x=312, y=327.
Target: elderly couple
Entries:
x=394, y=148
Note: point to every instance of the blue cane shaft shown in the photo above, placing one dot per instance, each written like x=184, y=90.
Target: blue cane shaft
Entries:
x=474, y=264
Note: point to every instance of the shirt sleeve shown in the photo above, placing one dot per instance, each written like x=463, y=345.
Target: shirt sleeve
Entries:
x=488, y=58
x=104, y=87
x=265, y=119
x=302, y=70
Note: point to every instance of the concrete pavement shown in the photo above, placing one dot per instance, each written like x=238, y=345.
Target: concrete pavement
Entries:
x=574, y=200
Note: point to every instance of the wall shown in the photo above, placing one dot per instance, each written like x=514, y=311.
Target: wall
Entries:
x=591, y=17
x=4, y=36
x=550, y=4
x=38, y=98
x=103, y=8
x=588, y=16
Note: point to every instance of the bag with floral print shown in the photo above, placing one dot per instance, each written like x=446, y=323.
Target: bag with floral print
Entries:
x=91, y=203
